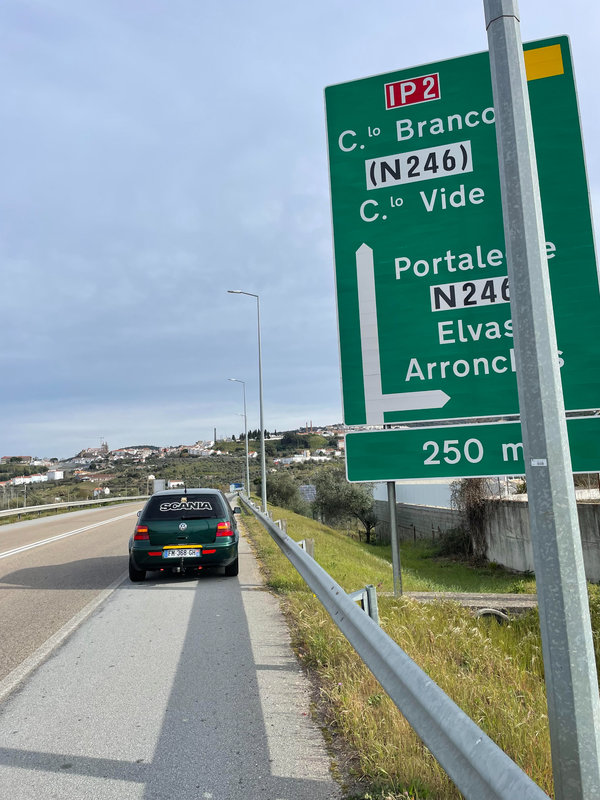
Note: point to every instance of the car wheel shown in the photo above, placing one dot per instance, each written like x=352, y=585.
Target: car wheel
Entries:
x=135, y=575
x=233, y=568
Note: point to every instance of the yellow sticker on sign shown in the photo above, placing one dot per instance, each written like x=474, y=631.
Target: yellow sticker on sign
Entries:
x=543, y=62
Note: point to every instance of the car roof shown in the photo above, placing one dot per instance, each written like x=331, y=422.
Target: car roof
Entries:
x=186, y=491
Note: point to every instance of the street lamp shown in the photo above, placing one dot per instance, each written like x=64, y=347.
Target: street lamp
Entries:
x=245, y=433
x=263, y=466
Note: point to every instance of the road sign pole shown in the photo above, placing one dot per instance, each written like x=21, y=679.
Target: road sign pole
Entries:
x=396, y=566
x=571, y=680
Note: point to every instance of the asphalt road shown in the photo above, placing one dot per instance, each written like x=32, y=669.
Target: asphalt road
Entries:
x=170, y=688
x=43, y=587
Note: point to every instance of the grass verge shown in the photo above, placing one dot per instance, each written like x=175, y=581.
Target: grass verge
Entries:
x=493, y=672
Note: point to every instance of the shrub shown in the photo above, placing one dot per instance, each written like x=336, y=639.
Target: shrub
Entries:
x=455, y=542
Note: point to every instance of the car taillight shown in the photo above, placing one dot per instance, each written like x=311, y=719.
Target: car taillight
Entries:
x=224, y=529
x=141, y=533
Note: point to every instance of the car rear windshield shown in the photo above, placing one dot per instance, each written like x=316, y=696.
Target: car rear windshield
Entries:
x=185, y=506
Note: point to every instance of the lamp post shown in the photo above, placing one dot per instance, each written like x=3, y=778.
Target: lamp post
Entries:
x=263, y=466
x=245, y=433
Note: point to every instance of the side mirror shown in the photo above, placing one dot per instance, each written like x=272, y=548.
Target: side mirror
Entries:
x=237, y=510
x=138, y=513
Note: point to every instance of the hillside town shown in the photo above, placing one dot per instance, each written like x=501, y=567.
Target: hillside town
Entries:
x=97, y=464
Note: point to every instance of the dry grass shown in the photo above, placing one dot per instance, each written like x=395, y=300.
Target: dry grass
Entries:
x=462, y=656
x=493, y=672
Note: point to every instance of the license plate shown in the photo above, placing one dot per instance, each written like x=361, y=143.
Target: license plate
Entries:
x=182, y=552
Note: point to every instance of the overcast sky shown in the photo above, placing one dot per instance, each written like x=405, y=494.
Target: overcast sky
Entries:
x=156, y=154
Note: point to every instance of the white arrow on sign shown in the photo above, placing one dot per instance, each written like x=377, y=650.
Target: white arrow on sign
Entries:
x=376, y=403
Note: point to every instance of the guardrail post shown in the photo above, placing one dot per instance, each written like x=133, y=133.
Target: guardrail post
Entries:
x=367, y=598
x=373, y=609
x=308, y=545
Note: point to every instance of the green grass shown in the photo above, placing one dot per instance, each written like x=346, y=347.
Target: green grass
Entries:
x=339, y=554
x=422, y=571
x=493, y=672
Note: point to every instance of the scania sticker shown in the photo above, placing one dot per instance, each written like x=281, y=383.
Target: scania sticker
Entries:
x=197, y=505
x=413, y=90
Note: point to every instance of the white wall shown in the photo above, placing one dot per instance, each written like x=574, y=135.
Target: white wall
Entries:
x=418, y=493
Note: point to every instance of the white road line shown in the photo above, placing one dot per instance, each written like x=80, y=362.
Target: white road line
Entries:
x=63, y=535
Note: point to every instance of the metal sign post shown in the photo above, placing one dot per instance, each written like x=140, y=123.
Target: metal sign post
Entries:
x=396, y=565
x=570, y=670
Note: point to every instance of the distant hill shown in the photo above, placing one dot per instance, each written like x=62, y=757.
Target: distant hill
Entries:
x=140, y=447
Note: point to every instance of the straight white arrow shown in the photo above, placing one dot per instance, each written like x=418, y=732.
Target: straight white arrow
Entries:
x=376, y=403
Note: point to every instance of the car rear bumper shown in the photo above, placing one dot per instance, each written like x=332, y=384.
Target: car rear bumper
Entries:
x=151, y=557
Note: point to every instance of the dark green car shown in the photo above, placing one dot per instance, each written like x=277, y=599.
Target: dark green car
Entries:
x=184, y=531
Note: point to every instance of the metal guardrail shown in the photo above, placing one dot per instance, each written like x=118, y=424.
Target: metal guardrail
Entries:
x=478, y=767
x=16, y=512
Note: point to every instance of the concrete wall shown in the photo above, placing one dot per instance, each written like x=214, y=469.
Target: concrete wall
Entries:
x=417, y=493
x=509, y=541
x=415, y=522
x=507, y=535
x=507, y=531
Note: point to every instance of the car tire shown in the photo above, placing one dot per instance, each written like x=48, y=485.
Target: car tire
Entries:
x=233, y=568
x=136, y=575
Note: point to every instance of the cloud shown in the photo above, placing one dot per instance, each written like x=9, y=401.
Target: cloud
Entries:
x=153, y=160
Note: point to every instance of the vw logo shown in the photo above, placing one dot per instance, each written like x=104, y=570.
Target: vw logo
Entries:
x=182, y=526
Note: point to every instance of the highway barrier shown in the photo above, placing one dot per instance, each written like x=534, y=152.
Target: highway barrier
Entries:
x=18, y=512
x=478, y=767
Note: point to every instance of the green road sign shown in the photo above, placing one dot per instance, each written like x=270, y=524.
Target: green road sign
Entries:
x=423, y=299
x=458, y=451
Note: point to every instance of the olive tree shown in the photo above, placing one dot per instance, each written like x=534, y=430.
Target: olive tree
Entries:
x=338, y=500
